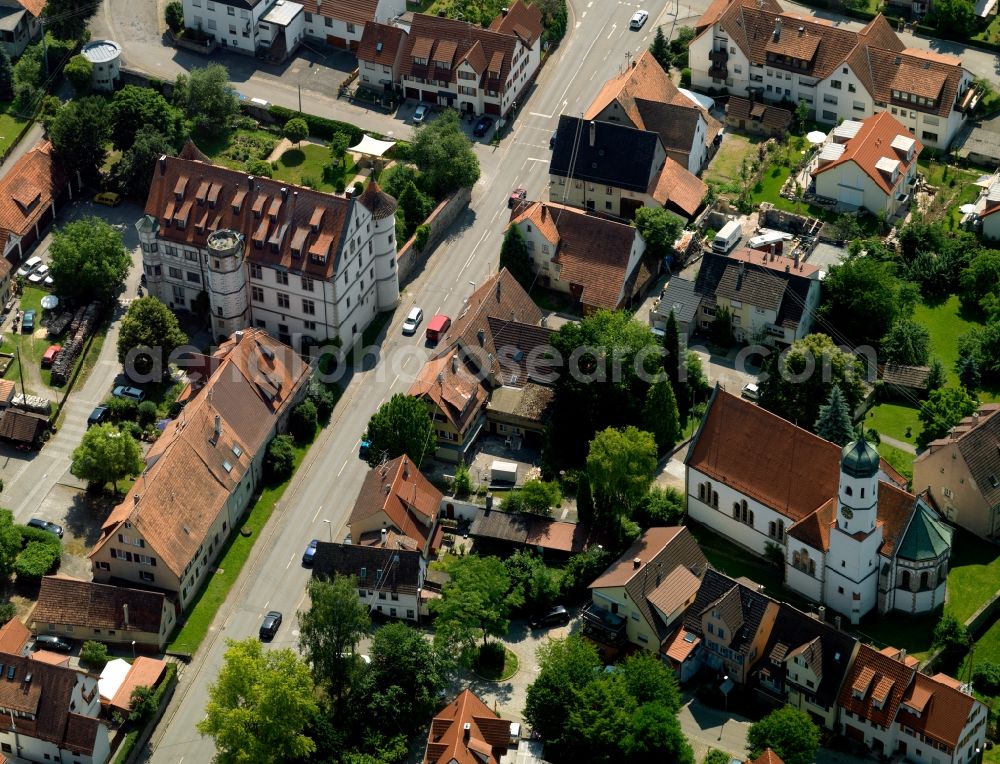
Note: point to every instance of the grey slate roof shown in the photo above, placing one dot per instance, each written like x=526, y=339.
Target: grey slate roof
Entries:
x=784, y=293
x=792, y=629
x=391, y=570
x=621, y=156
x=674, y=123
x=681, y=298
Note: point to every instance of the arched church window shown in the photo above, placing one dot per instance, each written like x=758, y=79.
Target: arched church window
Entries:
x=906, y=579
x=848, y=490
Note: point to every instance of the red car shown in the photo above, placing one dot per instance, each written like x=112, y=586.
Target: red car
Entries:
x=518, y=195
x=50, y=355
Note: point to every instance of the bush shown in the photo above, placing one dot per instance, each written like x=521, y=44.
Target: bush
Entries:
x=37, y=535
x=534, y=496
x=174, y=14
x=131, y=428
x=323, y=398
x=491, y=658
x=94, y=655
x=685, y=78
x=146, y=413
x=36, y=560
x=279, y=462
x=302, y=422
x=259, y=167
x=122, y=409
x=7, y=611
x=319, y=127
x=986, y=678
x=420, y=237
x=662, y=506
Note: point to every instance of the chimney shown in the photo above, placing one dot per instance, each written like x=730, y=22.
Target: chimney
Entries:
x=836, y=622
x=777, y=29
x=135, y=498
x=384, y=536
x=406, y=470
x=467, y=730
x=387, y=488
x=975, y=418
x=125, y=610
x=636, y=563
x=634, y=63
x=284, y=193
x=454, y=364
x=902, y=654
x=788, y=268
x=481, y=336
x=593, y=133
x=498, y=288
x=250, y=180
x=163, y=163
x=238, y=336
x=218, y=428
x=796, y=258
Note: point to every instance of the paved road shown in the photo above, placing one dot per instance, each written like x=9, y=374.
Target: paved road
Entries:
x=328, y=481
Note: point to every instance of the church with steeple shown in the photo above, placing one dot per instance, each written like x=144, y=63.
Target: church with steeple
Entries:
x=851, y=535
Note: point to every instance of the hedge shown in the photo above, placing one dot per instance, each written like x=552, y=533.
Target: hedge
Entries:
x=319, y=127
x=132, y=738
x=37, y=534
x=36, y=560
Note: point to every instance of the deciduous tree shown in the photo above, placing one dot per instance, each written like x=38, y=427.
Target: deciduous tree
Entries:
x=259, y=706
x=862, y=298
x=134, y=109
x=106, y=455
x=943, y=409
x=907, y=343
x=78, y=71
x=67, y=19
x=329, y=631
x=656, y=735
x=10, y=542
x=79, y=134
x=936, y=376
x=402, y=425
x=473, y=603
x=279, y=461
x=89, y=261
x=207, y=98
x=954, y=18
x=151, y=327
x=133, y=174
x=566, y=666
x=443, y=153
x=296, y=130
x=659, y=229
x=174, y=16
x=787, y=731
x=620, y=466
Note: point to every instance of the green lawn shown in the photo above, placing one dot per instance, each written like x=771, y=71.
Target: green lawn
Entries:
x=911, y=633
x=974, y=574
x=946, y=325
x=725, y=166
x=229, y=565
x=902, y=461
x=304, y=166
x=894, y=420
x=10, y=126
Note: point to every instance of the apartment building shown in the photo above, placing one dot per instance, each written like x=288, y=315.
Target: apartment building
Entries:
x=268, y=28
x=304, y=265
x=755, y=49
x=342, y=23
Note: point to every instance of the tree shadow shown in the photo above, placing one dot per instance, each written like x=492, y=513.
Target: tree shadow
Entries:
x=292, y=158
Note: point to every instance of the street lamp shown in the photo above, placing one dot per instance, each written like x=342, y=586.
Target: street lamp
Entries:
x=133, y=649
x=329, y=525
x=725, y=692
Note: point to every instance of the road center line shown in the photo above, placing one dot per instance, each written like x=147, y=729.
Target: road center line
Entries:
x=320, y=508
x=289, y=563
x=536, y=114
x=338, y=475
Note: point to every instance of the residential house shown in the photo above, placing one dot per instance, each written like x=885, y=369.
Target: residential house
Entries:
x=870, y=164
x=508, y=532
x=53, y=713
x=380, y=55
x=987, y=207
x=734, y=623
x=343, y=23
x=615, y=169
x=456, y=400
x=397, y=506
x=467, y=731
x=119, y=679
x=450, y=62
x=758, y=117
x=389, y=576
x=852, y=537
x=891, y=709
x=20, y=24
x=642, y=596
x=961, y=473
x=598, y=262
x=746, y=48
x=804, y=663
x=203, y=471
x=115, y=615
x=519, y=414
x=768, y=757
x=7, y=387
x=14, y=638
x=269, y=29
x=770, y=298
x=645, y=97
x=681, y=299
x=29, y=195
x=307, y=266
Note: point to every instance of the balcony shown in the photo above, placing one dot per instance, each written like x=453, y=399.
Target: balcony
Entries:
x=718, y=56
x=718, y=72
x=602, y=625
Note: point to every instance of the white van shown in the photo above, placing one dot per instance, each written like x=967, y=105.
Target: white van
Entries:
x=727, y=238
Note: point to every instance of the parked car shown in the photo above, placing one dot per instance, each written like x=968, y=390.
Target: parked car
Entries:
x=420, y=114
x=270, y=625
x=52, y=642
x=29, y=265
x=132, y=393
x=310, y=553
x=437, y=327
x=638, y=19
x=364, y=448
x=413, y=319
x=556, y=616
x=517, y=195
x=49, y=357
x=40, y=273
x=48, y=281
x=98, y=416
x=108, y=199
x=750, y=391
x=45, y=525
x=28, y=322
x=482, y=126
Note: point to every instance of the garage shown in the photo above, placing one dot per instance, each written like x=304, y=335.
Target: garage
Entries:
x=336, y=42
x=853, y=197
x=492, y=108
x=354, y=45
x=428, y=96
x=413, y=93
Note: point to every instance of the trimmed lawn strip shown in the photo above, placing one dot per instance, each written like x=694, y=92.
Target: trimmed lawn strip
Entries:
x=10, y=126
x=893, y=419
x=228, y=567
x=911, y=633
x=946, y=325
x=973, y=575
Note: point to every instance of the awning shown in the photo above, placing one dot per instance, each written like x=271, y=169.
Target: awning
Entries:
x=372, y=146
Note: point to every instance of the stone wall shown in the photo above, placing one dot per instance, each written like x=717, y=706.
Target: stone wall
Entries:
x=439, y=221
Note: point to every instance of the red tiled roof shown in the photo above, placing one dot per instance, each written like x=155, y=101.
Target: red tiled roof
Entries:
x=872, y=143
x=944, y=710
x=768, y=757
x=145, y=672
x=353, y=12
x=14, y=635
x=487, y=740
x=675, y=185
x=682, y=645
x=390, y=38
x=68, y=601
x=873, y=670
x=411, y=501
x=522, y=20
x=35, y=7
x=454, y=390
x=814, y=528
x=175, y=177
x=795, y=475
